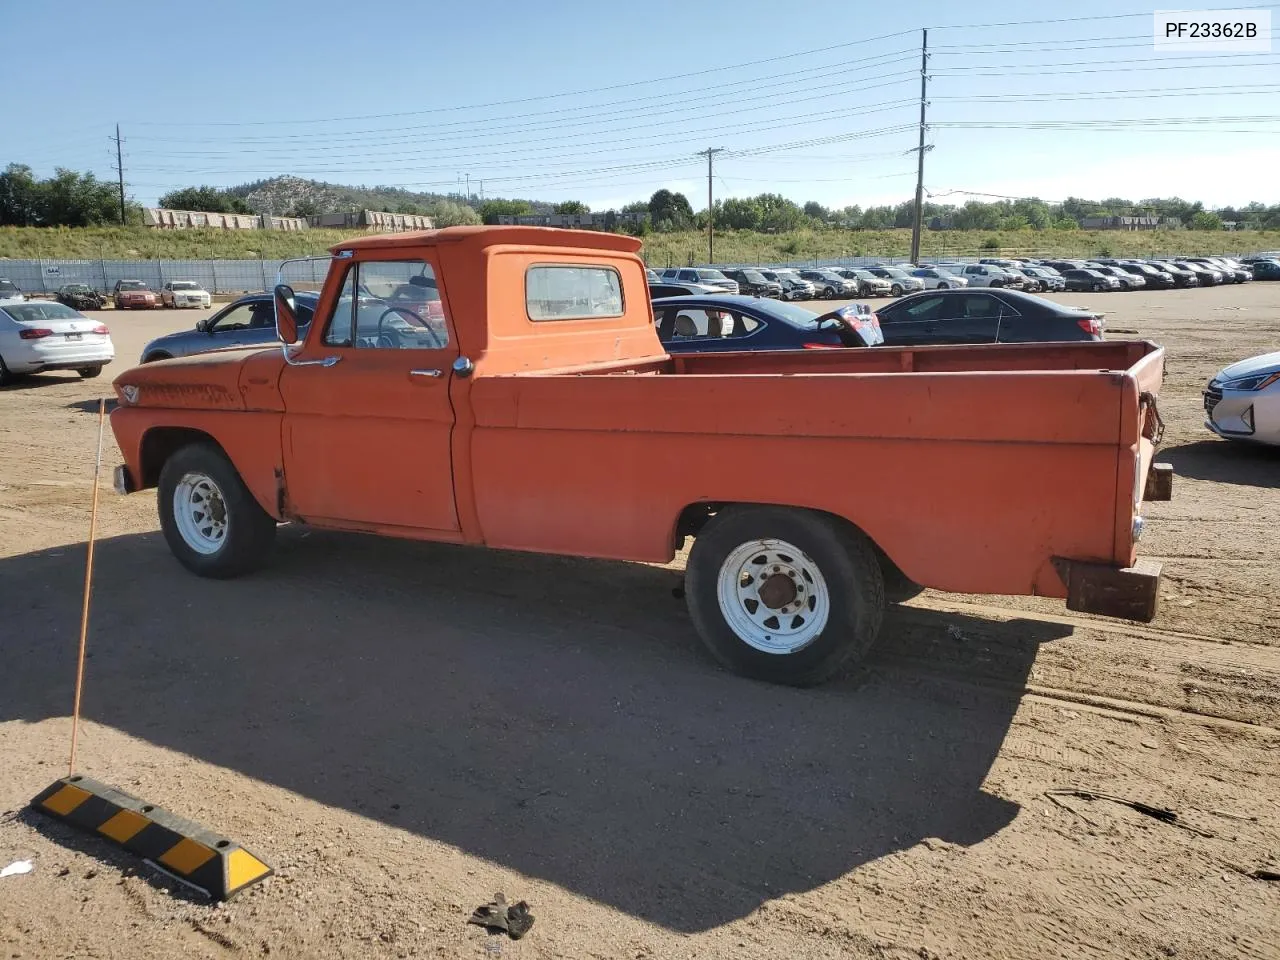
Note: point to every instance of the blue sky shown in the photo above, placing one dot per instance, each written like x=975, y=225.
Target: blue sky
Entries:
x=607, y=102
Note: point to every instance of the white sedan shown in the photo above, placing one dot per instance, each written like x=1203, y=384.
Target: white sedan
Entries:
x=44, y=335
x=185, y=293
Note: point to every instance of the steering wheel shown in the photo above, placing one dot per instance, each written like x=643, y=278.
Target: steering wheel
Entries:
x=413, y=320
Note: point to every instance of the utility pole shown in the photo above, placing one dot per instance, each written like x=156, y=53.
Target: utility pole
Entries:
x=924, y=87
x=120, y=172
x=468, y=188
x=709, y=153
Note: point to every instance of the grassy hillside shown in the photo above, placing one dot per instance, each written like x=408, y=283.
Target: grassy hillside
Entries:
x=660, y=249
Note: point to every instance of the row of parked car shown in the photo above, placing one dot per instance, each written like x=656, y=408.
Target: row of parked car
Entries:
x=1033, y=276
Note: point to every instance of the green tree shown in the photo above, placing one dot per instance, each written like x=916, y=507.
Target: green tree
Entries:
x=204, y=200
x=670, y=211
x=816, y=211
x=450, y=213
x=1204, y=220
x=739, y=213
x=491, y=210
x=636, y=206
x=70, y=199
x=571, y=206
x=19, y=196
x=778, y=214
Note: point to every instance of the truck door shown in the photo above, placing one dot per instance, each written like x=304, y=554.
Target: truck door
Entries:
x=367, y=440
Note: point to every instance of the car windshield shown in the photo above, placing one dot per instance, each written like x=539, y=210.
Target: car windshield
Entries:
x=710, y=275
x=77, y=288
x=7, y=286
x=133, y=285
x=894, y=272
x=754, y=276
x=865, y=275
x=183, y=285
x=41, y=311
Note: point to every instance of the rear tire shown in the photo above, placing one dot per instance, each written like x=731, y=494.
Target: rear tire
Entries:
x=210, y=520
x=152, y=358
x=820, y=575
x=88, y=373
x=6, y=377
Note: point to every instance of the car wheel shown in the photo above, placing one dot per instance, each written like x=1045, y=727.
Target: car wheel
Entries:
x=209, y=518
x=896, y=290
x=153, y=357
x=784, y=595
x=6, y=377
x=88, y=373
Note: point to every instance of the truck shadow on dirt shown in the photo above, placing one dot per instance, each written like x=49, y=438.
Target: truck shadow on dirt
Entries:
x=1225, y=461
x=552, y=715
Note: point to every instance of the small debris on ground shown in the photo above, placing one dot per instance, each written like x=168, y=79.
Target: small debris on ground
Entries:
x=514, y=920
x=17, y=868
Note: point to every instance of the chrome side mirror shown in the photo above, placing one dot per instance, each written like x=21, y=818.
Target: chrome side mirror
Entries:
x=463, y=367
x=286, y=319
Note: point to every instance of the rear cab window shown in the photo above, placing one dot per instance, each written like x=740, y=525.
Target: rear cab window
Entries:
x=572, y=292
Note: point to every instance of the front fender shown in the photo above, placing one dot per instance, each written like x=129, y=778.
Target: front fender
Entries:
x=148, y=436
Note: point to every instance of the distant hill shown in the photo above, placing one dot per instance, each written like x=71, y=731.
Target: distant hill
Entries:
x=285, y=194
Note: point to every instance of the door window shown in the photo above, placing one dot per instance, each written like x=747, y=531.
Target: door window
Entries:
x=696, y=323
x=237, y=318
x=388, y=305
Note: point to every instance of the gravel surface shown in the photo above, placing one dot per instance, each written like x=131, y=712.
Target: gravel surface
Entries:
x=404, y=729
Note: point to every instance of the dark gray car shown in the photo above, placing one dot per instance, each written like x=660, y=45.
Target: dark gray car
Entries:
x=249, y=321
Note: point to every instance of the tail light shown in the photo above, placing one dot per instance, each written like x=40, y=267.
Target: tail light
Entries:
x=34, y=333
x=1091, y=326
x=821, y=346
x=101, y=329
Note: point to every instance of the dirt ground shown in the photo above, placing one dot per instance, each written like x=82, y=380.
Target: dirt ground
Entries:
x=403, y=729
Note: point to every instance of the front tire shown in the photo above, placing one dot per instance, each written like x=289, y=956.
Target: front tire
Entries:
x=896, y=290
x=784, y=595
x=210, y=520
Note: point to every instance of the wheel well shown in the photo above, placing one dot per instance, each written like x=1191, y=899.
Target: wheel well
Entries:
x=695, y=516
x=158, y=355
x=160, y=443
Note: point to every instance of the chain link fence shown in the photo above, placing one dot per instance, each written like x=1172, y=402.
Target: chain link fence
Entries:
x=216, y=276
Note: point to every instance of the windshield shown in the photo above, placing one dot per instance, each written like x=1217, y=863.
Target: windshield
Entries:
x=754, y=276
x=710, y=275
x=41, y=310
x=183, y=285
x=77, y=288
x=133, y=285
x=8, y=287
x=895, y=273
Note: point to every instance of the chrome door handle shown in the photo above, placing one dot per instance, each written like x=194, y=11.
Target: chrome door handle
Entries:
x=426, y=373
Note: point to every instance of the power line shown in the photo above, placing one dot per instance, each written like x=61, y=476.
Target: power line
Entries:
x=548, y=96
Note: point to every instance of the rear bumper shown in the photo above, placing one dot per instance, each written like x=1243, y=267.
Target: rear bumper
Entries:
x=1127, y=593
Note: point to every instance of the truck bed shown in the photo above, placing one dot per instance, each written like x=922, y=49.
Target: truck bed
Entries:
x=972, y=468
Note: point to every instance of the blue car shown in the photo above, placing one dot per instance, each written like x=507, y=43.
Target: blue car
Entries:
x=726, y=322
x=247, y=322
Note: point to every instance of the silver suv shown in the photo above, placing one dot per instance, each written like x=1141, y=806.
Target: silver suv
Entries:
x=989, y=275
x=703, y=275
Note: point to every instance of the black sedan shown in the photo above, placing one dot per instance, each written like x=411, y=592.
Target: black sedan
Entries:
x=730, y=322
x=983, y=316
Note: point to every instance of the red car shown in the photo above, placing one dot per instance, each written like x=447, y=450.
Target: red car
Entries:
x=134, y=295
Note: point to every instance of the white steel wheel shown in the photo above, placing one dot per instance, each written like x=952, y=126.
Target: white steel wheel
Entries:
x=200, y=512
x=773, y=596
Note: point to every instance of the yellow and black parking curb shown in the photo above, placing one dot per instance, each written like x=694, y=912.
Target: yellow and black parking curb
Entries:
x=181, y=848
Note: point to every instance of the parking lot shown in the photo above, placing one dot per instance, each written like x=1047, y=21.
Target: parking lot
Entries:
x=402, y=729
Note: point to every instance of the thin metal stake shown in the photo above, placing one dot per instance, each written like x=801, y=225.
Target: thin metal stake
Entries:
x=88, y=580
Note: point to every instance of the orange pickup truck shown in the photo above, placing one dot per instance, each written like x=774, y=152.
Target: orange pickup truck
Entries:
x=505, y=386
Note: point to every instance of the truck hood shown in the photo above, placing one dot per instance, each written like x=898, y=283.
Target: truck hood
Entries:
x=206, y=381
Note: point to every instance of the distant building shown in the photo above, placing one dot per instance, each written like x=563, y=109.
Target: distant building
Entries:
x=373, y=220
x=608, y=220
x=1123, y=223
x=163, y=219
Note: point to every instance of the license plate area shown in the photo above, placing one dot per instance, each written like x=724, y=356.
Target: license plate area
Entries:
x=75, y=336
